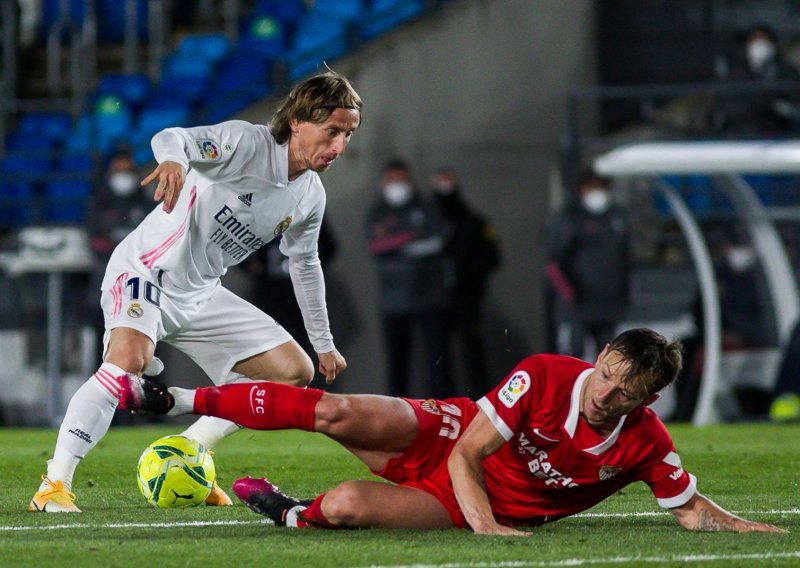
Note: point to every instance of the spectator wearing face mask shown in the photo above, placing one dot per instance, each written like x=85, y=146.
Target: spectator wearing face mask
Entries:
x=404, y=237
x=757, y=59
x=472, y=248
x=588, y=267
x=118, y=205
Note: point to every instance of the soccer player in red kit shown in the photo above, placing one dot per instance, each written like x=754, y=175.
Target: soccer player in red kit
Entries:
x=556, y=437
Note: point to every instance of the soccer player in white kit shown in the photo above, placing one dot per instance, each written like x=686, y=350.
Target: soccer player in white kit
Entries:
x=227, y=190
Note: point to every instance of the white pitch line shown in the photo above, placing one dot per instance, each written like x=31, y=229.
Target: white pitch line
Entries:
x=137, y=525
x=268, y=522
x=685, y=558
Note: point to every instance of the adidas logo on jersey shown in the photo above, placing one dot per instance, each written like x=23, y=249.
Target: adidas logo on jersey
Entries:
x=247, y=199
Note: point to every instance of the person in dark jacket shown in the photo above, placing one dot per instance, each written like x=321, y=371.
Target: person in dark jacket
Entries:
x=272, y=290
x=118, y=206
x=405, y=239
x=472, y=248
x=588, y=266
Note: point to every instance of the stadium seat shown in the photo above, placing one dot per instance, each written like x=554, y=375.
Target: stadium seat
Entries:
x=66, y=200
x=111, y=21
x=188, y=89
x=16, y=195
x=385, y=15
x=317, y=39
x=347, y=10
x=206, y=47
x=131, y=88
x=264, y=36
x=54, y=126
x=287, y=11
x=151, y=121
x=112, y=122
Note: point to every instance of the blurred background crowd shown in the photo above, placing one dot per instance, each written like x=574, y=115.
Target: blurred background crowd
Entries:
x=467, y=225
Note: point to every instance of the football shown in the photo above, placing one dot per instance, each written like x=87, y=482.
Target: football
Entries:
x=174, y=472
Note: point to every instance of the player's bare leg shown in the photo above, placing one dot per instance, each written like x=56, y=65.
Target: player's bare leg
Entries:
x=352, y=504
x=287, y=363
x=363, y=504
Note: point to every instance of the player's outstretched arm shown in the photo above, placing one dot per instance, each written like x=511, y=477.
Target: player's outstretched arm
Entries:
x=481, y=439
x=702, y=514
x=170, y=176
x=331, y=364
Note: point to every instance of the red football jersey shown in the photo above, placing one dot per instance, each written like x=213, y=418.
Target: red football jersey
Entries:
x=554, y=463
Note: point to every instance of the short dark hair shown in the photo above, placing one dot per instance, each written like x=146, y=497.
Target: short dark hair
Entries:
x=396, y=164
x=653, y=362
x=589, y=175
x=764, y=29
x=313, y=100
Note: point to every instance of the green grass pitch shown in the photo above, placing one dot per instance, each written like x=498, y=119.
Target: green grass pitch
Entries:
x=749, y=469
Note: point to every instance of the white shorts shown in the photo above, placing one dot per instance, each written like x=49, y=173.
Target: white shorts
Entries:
x=215, y=333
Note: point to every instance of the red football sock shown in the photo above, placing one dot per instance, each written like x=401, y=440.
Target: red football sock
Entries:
x=261, y=405
x=313, y=517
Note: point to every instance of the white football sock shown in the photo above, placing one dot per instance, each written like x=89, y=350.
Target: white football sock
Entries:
x=291, y=515
x=209, y=430
x=184, y=401
x=87, y=420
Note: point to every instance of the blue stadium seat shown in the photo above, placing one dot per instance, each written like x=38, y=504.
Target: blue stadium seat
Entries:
x=51, y=12
x=17, y=191
x=264, y=36
x=112, y=123
x=131, y=88
x=54, y=126
x=347, y=10
x=111, y=21
x=182, y=65
x=66, y=200
x=188, y=89
x=285, y=10
x=16, y=203
x=207, y=47
x=385, y=15
x=317, y=39
x=77, y=162
x=151, y=121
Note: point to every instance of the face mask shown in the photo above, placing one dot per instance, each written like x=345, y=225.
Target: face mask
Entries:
x=123, y=184
x=759, y=52
x=397, y=193
x=741, y=259
x=596, y=201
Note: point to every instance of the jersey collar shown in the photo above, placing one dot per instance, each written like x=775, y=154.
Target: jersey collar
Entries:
x=571, y=425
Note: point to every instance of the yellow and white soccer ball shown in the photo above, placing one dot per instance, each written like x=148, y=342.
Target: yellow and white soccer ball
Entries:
x=175, y=471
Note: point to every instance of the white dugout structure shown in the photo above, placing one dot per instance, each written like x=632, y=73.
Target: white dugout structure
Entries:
x=730, y=161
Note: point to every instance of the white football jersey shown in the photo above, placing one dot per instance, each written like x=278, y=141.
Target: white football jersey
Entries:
x=237, y=197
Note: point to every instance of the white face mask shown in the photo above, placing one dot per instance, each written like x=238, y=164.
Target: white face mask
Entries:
x=741, y=259
x=123, y=184
x=596, y=201
x=760, y=52
x=397, y=193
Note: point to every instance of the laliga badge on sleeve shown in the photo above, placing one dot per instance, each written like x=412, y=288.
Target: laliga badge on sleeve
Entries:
x=209, y=150
x=512, y=391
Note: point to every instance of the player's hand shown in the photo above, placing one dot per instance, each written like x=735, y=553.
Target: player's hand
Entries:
x=753, y=526
x=330, y=364
x=498, y=530
x=170, y=176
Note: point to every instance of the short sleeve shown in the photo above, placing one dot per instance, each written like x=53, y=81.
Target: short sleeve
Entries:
x=671, y=485
x=508, y=404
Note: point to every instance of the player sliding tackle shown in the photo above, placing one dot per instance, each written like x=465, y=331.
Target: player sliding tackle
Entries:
x=556, y=437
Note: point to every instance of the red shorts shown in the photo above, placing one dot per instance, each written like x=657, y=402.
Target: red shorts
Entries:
x=424, y=463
